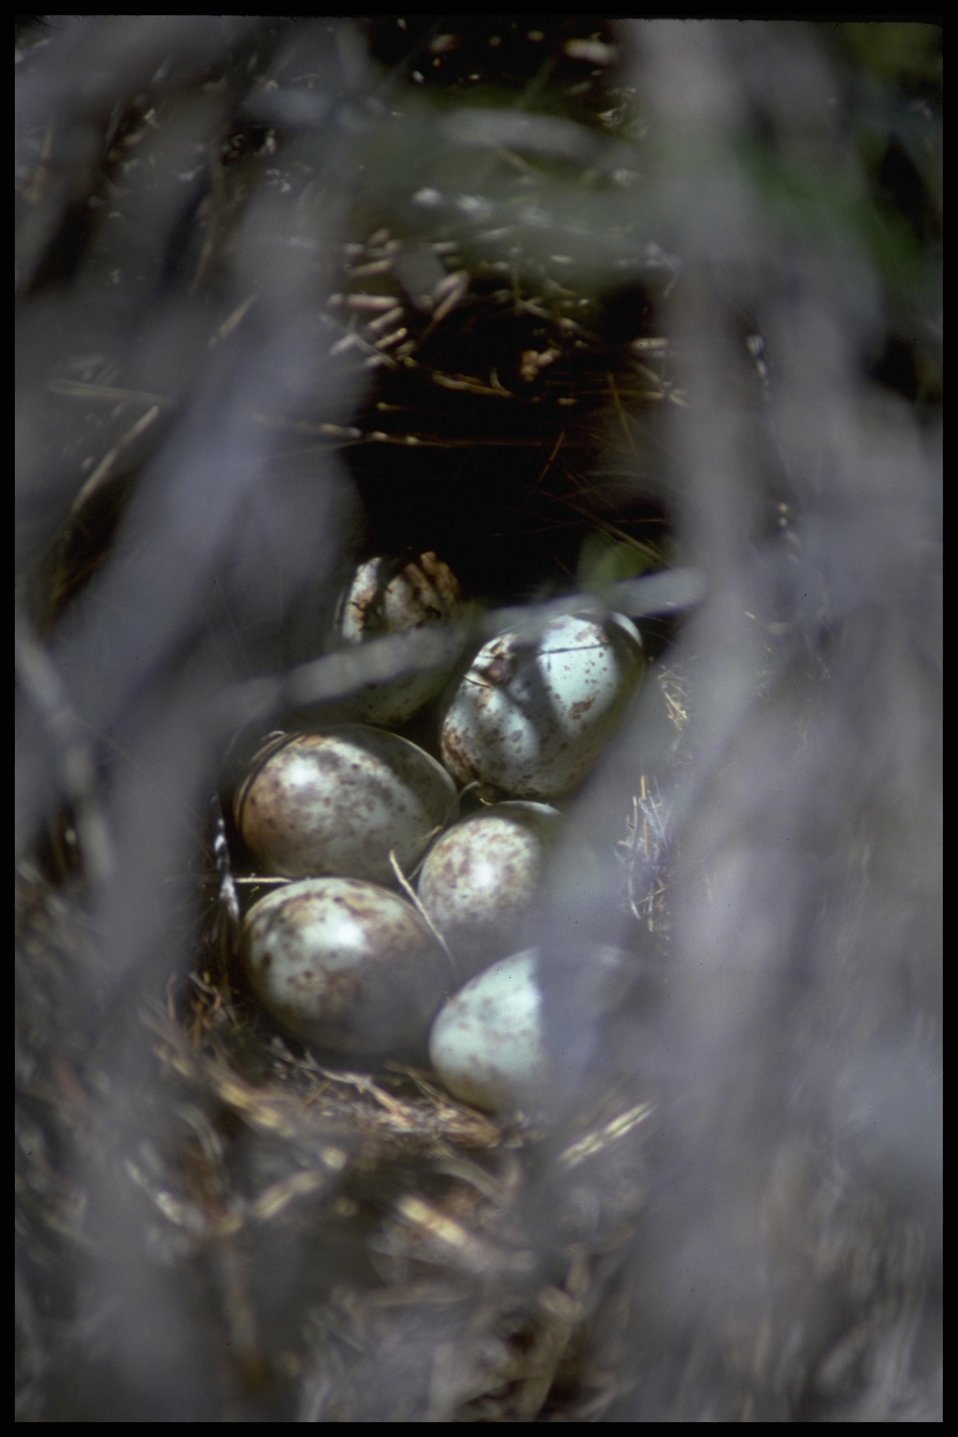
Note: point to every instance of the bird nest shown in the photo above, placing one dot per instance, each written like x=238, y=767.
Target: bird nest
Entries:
x=297, y=292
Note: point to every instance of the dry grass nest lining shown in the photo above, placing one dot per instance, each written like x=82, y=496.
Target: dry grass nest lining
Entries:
x=266, y=1148
x=437, y=1194
x=440, y=1197
x=275, y=1147
x=270, y=1150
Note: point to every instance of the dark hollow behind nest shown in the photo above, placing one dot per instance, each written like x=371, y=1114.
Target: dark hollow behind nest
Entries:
x=731, y=1213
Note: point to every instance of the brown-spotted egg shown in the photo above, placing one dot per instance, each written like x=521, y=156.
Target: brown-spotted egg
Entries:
x=345, y=964
x=531, y=716
x=481, y=879
x=337, y=802
x=386, y=597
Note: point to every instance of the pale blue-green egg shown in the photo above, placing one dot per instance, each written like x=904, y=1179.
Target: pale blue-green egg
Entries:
x=487, y=1043
x=531, y=716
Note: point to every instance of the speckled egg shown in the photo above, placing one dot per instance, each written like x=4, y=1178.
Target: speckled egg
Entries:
x=530, y=717
x=389, y=597
x=487, y=1043
x=337, y=802
x=481, y=879
x=345, y=964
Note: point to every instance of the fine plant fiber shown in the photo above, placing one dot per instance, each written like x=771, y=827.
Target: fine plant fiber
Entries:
x=648, y=311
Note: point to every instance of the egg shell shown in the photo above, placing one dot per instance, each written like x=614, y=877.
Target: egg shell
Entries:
x=487, y=1043
x=336, y=803
x=481, y=879
x=390, y=598
x=386, y=597
x=530, y=718
x=345, y=964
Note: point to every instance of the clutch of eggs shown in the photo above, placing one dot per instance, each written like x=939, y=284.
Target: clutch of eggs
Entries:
x=337, y=958
x=530, y=717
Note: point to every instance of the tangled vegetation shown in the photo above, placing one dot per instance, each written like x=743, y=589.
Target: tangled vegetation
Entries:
x=648, y=310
